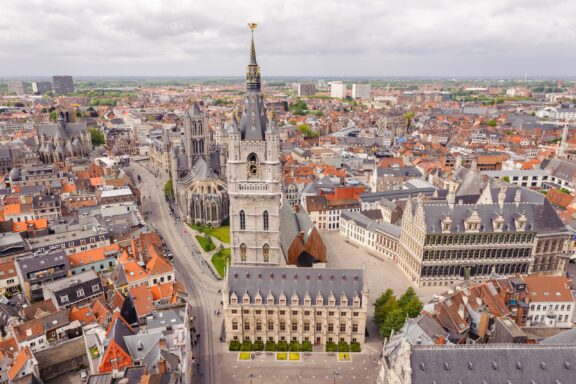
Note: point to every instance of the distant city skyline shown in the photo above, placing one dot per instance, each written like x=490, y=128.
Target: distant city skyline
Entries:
x=507, y=38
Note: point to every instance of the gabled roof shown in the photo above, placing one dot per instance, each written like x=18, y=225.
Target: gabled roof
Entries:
x=142, y=299
x=23, y=357
x=158, y=265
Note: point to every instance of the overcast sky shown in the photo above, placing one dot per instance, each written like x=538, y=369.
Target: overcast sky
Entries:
x=294, y=37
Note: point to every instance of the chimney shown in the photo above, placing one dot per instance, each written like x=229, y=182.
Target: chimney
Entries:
x=301, y=234
x=501, y=196
x=518, y=197
x=451, y=198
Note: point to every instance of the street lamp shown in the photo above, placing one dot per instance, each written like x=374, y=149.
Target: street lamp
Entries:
x=334, y=376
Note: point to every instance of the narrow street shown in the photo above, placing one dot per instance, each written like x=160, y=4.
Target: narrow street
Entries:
x=191, y=269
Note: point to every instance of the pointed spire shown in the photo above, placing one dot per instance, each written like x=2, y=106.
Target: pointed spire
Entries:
x=252, y=49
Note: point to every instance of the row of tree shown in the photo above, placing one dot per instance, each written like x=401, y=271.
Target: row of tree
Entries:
x=390, y=313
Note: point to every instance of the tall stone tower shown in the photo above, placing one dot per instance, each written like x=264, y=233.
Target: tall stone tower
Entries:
x=254, y=173
x=196, y=135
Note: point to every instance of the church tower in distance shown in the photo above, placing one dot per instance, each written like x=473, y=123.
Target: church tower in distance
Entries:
x=254, y=172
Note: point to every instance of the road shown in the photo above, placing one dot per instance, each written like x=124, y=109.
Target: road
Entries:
x=201, y=285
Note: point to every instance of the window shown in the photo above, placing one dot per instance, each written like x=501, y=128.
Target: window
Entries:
x=270, y=326
x=342, y=327
x=294, y=326
x=95, y=288
x=318, y=313
x=258, y=326
x=306, y=313
x=355, y=328
x=270, y=312
x=355, y=314
x=282, y=312
x=246, y=326
x=265, y=219
x=234, y=311
x=252, y=166
x=242, y=220
x=246, y=311
x=282, y=326
x=266, y=253
x=330, y=327
x=234, y=325
x=306, y=327
x=258, y=312
x=294, y=313
x=331, y=313
x=64, y=298
x=318, y=327
x=243, y=250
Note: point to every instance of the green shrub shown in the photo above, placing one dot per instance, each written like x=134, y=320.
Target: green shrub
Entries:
x=331, y=347
x=306, y=346
x=258, y=346
x=294, y=346
x=343, y=347
x=355, y=347
x=246, y=346
x=270, y=346
x=234, y=346
x=282, y=346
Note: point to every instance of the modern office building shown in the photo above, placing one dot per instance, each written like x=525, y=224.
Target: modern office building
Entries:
x=62, y=84
x=41, y=87
x=338, y=90
x=306, y=89
x=361, y=91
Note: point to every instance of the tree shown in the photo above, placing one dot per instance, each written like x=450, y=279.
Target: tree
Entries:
x=492, y=123
x=413, y=307
x=408, y=118
x=53, y=115
x=506, y=179
x=97, y=137
x=169, y=189
x=394, y=322
x=299, y=108
x=307, y=131
x=407, y=296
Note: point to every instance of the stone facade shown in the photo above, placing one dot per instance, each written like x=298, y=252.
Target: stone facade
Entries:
x=288, y=304
x=503, y=230
x=64, y=139
x=254, y=179
x=200, y=193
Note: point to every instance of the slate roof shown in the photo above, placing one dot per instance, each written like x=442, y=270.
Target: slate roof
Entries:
x=560, y=168
x=144, y=347
x=493, y=364
x=367, y=223
x=275, y=281
x=398, y=172
x=540, y=214
x=567, y=337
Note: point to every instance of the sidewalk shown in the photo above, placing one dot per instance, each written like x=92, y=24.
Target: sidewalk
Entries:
x=189, y=236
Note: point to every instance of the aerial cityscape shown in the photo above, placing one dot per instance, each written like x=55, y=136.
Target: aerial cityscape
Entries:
x=226, y=193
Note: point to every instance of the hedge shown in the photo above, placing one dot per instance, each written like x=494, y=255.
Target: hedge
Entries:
x=234, y=346
x=343, y=347
x=282, y=346
x=294, y=346
x=258, y=346
x=355, y=347
x=246, y=346
x=270, y=346
x=331, y=347
x=306, y=346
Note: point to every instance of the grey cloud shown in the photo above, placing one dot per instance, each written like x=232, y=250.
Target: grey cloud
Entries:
x=301, y=37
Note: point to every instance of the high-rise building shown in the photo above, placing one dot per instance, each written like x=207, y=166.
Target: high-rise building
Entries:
x=337, y=90
x=306, y=89
x=254, y=177
x=18, y=87
x=361, y=91
x=41, y=87
x=62, y=84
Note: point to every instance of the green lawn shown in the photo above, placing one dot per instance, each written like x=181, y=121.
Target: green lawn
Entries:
x=222, y=233
x=219, y=260
x=205, y=244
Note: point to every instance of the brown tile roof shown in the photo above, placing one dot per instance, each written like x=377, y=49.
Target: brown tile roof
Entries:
x=549, y=288
x=558, y=198
x=23, y=357
x=40, y=309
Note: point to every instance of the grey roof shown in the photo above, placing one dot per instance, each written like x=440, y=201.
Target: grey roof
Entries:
x=367, y=223
x=12, y=242
x=43, y=262
x=560, y=168
x=161, y=318
x=117, y=332
x=64, y=131
x=201, y=171
x=398, y=172
x=493, y=364
x=400, y=194
x=144, y=347
x=540, y=214
x=563, y=338
x=275, y=281
x=292, y=223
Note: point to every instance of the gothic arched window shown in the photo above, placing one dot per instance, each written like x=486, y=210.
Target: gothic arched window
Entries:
x=243, y=250
x=242, y=220
x=265, y=219
x=214, y=211
x=194, y=128
x=200, y=128
x=252, y=166
x=266, y=252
